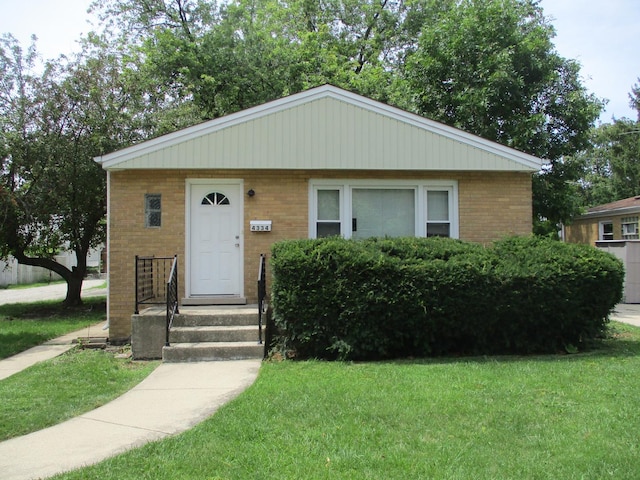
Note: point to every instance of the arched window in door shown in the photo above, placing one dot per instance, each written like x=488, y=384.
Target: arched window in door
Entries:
x=215, y=198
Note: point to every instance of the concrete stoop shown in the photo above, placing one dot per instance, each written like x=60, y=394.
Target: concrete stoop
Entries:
x=212, y=333
x=211, y=351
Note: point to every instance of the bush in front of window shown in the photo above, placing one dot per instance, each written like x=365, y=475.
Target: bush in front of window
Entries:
x=416, y=297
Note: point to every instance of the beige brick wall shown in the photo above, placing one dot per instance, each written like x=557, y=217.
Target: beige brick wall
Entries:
x=491, y=205
x=494, y=205
x=587, y=230
x=583, y=231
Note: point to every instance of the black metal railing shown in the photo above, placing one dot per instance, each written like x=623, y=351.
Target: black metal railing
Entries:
x=172, y=296
x=262, y=293
x=151, y=277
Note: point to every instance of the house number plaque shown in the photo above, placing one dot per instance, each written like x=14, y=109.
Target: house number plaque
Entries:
x=260, y=225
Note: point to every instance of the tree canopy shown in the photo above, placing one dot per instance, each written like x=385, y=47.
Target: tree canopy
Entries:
x=612, y=160
x=52, y=194
x=488, y=67
x=484, y=66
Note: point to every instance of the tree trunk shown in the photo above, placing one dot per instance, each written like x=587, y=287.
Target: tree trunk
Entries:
x=74, y=288
x=74, y=281
x=73, y=277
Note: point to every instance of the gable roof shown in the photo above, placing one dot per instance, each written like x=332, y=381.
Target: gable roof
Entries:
x=626, y=206
x=321, y=128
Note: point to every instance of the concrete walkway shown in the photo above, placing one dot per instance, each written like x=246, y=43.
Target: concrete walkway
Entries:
x=627, y=313
x=56, y=346
x=174, y=398
x=48, y=350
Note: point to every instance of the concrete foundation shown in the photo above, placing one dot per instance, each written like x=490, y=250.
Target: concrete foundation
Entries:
x=148, y=336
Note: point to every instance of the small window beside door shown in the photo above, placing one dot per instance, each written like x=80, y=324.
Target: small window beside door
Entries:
x=152, y=210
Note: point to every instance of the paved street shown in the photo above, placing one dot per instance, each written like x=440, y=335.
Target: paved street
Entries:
x=50, y=292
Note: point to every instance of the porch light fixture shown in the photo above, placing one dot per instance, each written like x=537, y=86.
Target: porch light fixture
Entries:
x=251, y=192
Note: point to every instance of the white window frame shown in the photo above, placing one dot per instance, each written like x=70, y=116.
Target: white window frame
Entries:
x=420, y=189
x=629, y=227
x=314, y=213
x=601, y=225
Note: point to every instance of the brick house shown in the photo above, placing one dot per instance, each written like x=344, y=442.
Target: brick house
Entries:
x=611, y=221
x=321, y=162
x=615, y=228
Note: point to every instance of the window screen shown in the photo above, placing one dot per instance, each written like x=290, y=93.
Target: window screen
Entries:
x=606, y=231
x=328, y=223
x=438, y=220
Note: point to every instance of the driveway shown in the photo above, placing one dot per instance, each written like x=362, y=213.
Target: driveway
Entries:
x=627, y=313
x=50, y=292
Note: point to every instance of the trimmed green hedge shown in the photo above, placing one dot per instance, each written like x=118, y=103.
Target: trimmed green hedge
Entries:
x=394, y=298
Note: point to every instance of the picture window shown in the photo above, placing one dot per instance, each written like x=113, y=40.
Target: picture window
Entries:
x=375, y=208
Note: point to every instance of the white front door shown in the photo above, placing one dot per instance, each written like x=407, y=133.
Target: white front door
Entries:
x=215, y=239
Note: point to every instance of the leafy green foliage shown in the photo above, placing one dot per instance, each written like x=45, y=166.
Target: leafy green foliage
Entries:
x=487, y=67
x=612, y=162
x=52, y=193
x=335, y=298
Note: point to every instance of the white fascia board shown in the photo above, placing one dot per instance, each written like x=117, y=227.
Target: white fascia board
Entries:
x=610, y=212
x=112, y=160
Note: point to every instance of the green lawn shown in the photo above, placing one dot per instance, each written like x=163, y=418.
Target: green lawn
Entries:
x=66, y=386
x=547, y=417
x=24, y=325
x=58, y=389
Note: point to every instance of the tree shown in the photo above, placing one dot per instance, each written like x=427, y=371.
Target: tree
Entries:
x=490, y=68
x=612, y=162
x=248, y=52
x=52, y=193
x=486, y=66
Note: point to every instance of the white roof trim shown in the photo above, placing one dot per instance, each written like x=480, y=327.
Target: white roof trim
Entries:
x=609, y=212
x=112, y=160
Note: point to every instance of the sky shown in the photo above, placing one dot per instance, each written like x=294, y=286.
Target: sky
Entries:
x=602, y=36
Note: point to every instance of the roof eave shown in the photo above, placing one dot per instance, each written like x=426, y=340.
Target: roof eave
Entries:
x=611, y=211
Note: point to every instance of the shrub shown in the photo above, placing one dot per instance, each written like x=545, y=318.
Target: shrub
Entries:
x=391, y=298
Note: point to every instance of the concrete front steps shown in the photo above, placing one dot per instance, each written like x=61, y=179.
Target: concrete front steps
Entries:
x=211, y=333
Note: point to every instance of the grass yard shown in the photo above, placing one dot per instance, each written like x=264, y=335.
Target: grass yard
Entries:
x=66, y=386
x=546, y=417
x=25, y=325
